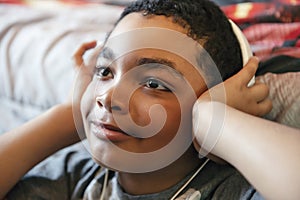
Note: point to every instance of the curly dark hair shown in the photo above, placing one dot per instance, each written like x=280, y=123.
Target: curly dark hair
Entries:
x=204, y=21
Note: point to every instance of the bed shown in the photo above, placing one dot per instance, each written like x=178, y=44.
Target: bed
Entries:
x=38, y=39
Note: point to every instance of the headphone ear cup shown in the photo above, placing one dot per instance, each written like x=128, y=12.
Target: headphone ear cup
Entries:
x=244, y=45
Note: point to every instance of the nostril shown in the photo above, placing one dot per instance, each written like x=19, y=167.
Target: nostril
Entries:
x=103, y=102
x=99, y=102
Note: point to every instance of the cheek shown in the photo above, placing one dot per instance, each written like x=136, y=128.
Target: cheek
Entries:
x=141, y=104
x=139, y=110
x=87, y=101
x=179, y=121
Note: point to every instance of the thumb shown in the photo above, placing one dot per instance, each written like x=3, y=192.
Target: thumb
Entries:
x=248, y=72
x=78, y=56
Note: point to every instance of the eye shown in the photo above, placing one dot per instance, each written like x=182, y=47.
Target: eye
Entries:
x=103, y=72
x=155, y=84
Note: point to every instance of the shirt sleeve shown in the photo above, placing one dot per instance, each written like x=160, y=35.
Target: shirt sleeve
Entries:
x=236, y=187
x=64, y=175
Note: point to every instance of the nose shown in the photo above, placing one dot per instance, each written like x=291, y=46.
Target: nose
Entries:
x=105, y=101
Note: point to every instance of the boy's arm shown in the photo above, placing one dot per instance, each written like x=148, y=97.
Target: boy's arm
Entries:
x=24, y=147
x=266, y=153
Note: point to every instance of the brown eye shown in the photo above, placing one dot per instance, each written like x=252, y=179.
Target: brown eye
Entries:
x=155, y=84
x=102, y=72
x=152, y=84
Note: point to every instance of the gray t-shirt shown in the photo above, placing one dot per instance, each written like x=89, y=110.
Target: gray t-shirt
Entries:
x=72, y=174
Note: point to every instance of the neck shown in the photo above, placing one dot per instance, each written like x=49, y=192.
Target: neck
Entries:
x=157, y=181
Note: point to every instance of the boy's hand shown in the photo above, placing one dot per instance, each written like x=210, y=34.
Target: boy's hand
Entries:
x=83, y=71
x=252, y=100
x=84, y=75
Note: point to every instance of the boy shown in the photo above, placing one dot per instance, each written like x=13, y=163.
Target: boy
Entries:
x=115, y=123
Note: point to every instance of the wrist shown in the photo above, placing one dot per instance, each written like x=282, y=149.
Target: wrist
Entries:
x=208, y=124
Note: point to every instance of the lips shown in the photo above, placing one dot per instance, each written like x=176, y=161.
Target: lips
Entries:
x=112, y=128
x=108, y=132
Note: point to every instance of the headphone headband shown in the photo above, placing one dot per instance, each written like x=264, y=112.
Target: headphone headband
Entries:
x=244, y=45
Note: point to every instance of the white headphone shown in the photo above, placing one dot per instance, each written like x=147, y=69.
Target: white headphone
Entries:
x=244, y=45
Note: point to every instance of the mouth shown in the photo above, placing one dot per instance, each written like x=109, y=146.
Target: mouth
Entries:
x=108, y=132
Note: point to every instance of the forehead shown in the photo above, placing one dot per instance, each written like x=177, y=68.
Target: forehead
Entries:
x=137, y=20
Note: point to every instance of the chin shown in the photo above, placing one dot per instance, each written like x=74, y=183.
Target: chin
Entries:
x=108, y=155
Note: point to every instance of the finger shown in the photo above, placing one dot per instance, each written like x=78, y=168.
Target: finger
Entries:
x=264, y=107
x=248, y=71
x=260, y=91
x=78, y=56
x=92, y=61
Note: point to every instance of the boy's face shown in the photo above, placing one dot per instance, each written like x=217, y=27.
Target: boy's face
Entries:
x=140, y=100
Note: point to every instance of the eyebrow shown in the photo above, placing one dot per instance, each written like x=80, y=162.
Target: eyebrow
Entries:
x=158, y=63
x=142, y=61
x=107, y=53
